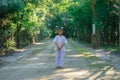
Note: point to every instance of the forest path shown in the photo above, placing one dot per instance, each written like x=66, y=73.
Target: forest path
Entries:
x=39, y=65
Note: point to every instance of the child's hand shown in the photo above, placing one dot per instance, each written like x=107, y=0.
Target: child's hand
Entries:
x=59, y=48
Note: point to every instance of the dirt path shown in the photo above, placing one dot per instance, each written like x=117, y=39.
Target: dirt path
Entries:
x=39, y=65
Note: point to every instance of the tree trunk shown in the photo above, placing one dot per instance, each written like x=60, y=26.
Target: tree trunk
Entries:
x=93, y=8
x=18, y=35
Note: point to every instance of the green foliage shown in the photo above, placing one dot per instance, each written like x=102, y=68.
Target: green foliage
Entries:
x=81, y=17
x=10, y=6
x=45, y=33
x=106, y=22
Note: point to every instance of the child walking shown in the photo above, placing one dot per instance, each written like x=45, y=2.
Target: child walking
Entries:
x=60, y=42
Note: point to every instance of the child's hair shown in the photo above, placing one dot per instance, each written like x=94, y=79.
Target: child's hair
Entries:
x=59, y=28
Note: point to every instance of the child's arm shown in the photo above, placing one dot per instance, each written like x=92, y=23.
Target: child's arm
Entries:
x=65, y=41
x=59, y=48
x=56, y=44
x=62, y=45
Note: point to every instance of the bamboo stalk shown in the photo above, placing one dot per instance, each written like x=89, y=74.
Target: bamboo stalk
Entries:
x=119, y=21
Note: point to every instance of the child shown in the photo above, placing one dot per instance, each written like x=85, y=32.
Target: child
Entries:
x=59, y=41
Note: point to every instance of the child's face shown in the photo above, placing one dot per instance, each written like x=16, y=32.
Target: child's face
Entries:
x=59, y=32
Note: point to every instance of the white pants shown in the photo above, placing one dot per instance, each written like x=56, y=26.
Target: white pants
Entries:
x=59, y=57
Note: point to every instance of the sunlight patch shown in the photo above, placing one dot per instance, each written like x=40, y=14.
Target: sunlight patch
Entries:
x=31, y=59
x=110, y=71
x=66, y=70
x=98, y=62
x=76, y=55
x=71, y=74
x=39, y=43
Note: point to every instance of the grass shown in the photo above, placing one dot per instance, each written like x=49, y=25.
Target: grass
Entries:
x=111, y=48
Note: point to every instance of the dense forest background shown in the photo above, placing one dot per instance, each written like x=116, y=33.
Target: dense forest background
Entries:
x=24, y=22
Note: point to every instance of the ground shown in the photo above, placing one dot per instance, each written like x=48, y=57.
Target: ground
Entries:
x=39, y=64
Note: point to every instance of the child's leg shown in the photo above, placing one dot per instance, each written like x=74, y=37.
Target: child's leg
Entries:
x=62, y=54
x=57, y=58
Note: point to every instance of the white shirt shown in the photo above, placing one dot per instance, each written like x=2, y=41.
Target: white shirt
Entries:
x=60, y=40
